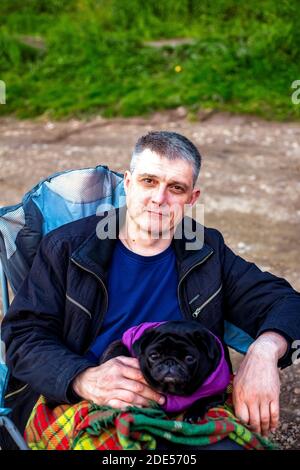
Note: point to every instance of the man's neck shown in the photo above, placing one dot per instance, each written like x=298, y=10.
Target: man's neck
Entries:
x=142, y=243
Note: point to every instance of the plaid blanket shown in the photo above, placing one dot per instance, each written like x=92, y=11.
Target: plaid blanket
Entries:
x=86, y=426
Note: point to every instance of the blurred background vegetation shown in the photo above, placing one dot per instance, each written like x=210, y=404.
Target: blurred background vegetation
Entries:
x=62, y=58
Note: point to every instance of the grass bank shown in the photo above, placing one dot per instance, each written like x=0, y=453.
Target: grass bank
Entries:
x=63, y=58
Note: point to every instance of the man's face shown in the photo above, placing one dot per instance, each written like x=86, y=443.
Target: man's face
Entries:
x=157, y=191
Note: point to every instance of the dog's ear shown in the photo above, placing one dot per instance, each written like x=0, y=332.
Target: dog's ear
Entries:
x=204, y=340
x=146, y=338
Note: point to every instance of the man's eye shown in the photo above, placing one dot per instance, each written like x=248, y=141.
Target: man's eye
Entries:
x=178, y=189
x=147, y=180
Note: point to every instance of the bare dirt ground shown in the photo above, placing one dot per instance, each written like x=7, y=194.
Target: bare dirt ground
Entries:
x=250, y=183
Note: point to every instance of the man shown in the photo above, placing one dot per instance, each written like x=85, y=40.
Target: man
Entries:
x=84, y=290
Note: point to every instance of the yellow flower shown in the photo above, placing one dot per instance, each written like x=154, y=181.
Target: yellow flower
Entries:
x=178, y=68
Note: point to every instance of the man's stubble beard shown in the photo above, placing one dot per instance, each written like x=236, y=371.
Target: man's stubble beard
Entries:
x=144, y=230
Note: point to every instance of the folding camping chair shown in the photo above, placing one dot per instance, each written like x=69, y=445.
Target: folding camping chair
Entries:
x=61, y=198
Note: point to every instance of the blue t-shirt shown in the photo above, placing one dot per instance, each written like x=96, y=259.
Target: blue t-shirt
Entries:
x=140, y=289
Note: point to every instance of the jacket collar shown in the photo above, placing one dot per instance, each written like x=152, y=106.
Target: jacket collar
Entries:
x=95, y=253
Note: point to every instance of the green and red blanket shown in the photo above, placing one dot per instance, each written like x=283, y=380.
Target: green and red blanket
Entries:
x=86, y=426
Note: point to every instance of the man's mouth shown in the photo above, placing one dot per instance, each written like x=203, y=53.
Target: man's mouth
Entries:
x=157, y=213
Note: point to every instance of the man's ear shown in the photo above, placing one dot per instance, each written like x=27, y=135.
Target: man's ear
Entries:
x=127, y=180
x=195, y=196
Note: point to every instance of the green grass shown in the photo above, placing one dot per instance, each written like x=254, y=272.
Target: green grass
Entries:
x=91, y=57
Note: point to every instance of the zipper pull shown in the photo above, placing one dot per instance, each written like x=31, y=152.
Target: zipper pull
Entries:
x=196, y=312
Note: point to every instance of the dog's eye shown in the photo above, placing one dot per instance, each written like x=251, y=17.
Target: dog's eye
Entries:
x=189, y=359
x=154, y=356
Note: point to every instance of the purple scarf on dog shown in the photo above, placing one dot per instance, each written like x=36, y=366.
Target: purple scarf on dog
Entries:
x=214, y=384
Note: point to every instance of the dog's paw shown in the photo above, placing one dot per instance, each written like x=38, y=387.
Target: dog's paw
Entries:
x=197, y=411
x=193, y=418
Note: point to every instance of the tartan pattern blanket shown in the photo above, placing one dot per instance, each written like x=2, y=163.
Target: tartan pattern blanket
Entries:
x=86, y=426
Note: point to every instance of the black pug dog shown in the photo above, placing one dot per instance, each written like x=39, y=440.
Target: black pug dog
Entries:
x=176, y=358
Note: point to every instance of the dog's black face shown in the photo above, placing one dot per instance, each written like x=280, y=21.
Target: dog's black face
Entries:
x=177, y=357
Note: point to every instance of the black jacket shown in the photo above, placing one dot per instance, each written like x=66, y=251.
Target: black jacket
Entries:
x=59, y=309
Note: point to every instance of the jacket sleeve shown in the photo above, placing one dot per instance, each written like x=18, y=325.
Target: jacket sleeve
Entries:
x=33, y=328
x=258, y=301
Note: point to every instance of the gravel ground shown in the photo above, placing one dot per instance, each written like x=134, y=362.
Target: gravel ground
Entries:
x=250, y=183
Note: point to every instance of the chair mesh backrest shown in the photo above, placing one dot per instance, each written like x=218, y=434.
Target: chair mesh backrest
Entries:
x=55, y=201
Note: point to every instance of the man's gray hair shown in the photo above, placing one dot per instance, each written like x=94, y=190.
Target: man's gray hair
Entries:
x=169, y=145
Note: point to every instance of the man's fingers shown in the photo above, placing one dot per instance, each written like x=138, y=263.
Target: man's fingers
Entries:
x=242, y=412
x=131, y=379
x=129, y=397
x=115, y=403
x=139, y=389
x=131, y=368
x=129, y=361
x=274, y=411
x=264, y=410
x=254, y=418
x=126, y=383
x=132, y=373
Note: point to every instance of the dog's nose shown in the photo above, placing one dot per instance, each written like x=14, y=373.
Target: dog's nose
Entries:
x=170, y=368
x=170, y=362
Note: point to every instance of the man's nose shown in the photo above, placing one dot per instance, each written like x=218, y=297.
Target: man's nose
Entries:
x=159, y=196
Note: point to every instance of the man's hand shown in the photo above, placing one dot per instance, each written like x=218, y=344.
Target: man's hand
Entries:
x=256, y=386
x=118, y=382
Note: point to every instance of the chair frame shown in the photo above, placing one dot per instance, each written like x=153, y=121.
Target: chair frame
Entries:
x=5, y=421
x=4, y=290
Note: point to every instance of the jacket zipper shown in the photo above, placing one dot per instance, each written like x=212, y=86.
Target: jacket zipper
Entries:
x=16, y=392
x=179, y=284
x=178, y=289
x=195, y=314
x=106, y=296
x=85, y=310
